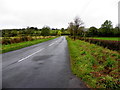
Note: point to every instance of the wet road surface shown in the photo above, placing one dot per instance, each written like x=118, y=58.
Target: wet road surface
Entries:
x=44, y=65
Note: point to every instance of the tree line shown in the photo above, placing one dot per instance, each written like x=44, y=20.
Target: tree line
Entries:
x=77, y=29
x=33, y=31
x=106, y=30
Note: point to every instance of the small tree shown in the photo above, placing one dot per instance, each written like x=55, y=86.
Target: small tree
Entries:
x=62, y=30
x=93, y=31
x=106, y=28
x=107, y=24
x=45, y=31
x=59, y=33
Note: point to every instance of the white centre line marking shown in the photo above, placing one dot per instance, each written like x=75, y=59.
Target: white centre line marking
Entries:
x=31, y=55
x=56, y=41
x=51, y=44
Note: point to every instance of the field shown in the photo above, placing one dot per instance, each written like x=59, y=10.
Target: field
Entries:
x=95, y=65
x=108, y=38
x=15, y=46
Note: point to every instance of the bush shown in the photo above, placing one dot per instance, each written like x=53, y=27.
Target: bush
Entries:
x=6, y=41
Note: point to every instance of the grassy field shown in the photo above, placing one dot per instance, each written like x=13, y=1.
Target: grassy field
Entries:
x=15, y=46
x=95, y=65
x=108, y=38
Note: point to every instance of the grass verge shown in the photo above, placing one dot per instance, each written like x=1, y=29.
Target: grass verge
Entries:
x=15, y=46
x=95, y=65
x=108, y=38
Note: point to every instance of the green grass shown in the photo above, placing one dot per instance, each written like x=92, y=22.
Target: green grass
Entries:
x=108, y=38
x=95, y=65
x=15, y=46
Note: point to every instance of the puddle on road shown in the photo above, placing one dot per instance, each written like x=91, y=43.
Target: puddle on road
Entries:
x=39, y=58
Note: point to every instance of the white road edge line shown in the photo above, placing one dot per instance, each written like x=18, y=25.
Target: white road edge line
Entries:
x=30, y=55
x=51, y=44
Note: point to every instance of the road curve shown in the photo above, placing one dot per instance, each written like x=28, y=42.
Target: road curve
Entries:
x=44, y=65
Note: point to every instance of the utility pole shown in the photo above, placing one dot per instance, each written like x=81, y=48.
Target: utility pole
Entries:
x=119, y=14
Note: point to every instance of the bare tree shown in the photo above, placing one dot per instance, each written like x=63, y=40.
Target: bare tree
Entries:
x=75, y=27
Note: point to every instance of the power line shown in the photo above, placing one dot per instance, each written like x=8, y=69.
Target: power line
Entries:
x=85, y=7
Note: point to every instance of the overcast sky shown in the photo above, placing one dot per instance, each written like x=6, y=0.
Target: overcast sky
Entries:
x=56, y=13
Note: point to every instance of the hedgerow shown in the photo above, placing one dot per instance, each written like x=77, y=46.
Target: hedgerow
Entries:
x=113, y=45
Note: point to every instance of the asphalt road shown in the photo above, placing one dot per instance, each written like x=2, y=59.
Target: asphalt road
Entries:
x=44, y=65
